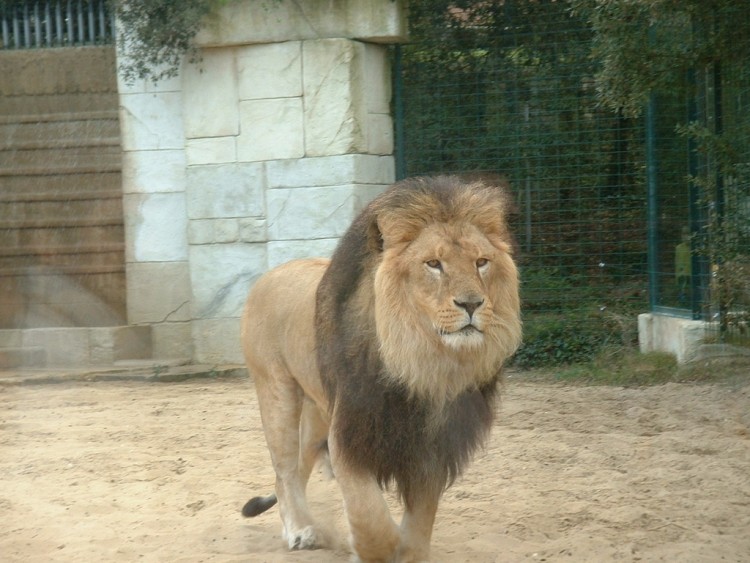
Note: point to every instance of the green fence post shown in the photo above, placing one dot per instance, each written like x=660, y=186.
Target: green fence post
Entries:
x=652, y=211
x=398, y=113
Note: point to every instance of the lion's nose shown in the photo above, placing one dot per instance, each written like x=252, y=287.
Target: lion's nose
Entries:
x=470, y=305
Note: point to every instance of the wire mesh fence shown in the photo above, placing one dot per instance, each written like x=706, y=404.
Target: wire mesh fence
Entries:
x=513, y=94
x=28, y=24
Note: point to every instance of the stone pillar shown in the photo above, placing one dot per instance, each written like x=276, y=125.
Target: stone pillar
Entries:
x=156, y=255
x=284, y=134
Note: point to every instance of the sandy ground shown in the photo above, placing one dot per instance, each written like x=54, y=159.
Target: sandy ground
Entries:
x=135, y=471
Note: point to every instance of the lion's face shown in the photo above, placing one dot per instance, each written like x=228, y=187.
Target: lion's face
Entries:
x=447, y=308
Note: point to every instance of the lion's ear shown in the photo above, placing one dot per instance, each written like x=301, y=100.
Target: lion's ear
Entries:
x=374, y=237
x=397, y=228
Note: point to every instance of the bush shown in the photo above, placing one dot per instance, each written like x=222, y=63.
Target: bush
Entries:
x=570, y=338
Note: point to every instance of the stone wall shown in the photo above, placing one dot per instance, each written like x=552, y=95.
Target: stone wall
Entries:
x=263, y=152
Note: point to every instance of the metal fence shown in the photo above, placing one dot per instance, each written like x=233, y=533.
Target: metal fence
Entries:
x=518, y=99
x=699, y=186
x=61, y=23
x=509, y=89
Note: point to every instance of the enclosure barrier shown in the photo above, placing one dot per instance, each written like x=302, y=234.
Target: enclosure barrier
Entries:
x=509, y=88
x=53, y=23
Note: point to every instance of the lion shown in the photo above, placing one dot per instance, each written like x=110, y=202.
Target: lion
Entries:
x=388, y=358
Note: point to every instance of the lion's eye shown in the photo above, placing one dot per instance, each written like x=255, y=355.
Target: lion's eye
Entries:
x=434, y=264
x=482, y=262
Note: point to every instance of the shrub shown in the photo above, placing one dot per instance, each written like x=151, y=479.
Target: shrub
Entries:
x=570, y=338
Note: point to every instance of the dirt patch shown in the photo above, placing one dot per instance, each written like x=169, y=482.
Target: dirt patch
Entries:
x=127, y=471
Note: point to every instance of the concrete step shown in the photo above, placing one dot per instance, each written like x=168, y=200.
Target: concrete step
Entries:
x=40, y=103
x=61, y=232
x=61, y=180
x=58, y=144
x=32, y=357
x=55, y=126
x=101, y=155
x=75, y=346
x=36, y=206
x=103, y=257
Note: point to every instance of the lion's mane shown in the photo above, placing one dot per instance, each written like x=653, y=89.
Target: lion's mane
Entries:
x=391, y=414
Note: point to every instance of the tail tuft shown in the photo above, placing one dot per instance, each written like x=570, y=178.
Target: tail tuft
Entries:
x=258, y=505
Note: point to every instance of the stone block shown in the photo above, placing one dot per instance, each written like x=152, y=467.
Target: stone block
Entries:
x=158, y=292
x=210, y=95
x=270, y=71
x=64, y=347
x=282, y=251
x=151, y=121
x=211, y=150
x=331, y=171
x=152, y=171
x=210, y=231
x=10, y=338
x=335, y=107
x=379, y=134
x=377, y=79
x=221, y=275
x=225, y=190
x=200, y=231
x=172, y=340
x=253, y=229
x=313, y=213
x=226, y=230
x=217, y=341
x=245, y=22
x=155, y=227
x=108, y=345
x=678, y=336
x=271, y=129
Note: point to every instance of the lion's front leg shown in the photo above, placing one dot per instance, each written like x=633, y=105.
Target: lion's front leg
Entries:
x=374, y=535
x=416, y=526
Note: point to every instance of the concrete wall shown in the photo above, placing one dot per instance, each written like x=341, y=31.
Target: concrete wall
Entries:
x=262, y=153
x=661, y=333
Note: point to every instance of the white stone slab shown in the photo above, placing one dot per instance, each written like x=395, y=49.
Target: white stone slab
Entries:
x=377, y=79
x=244, y=22
x=331, y=171
x=211, y=150
x=172, y=340
x=315, y=213
x=153, y=171
x=271, y=129
x=155, y=227
x=151, y=121
x=270, y=71
x=210, y=95
x=226, y=230
x=335, y=107
x=225, y=190
x=379, y=134
x=221, y=275
x=253, y=229
x=282, y=251
x=158, y=292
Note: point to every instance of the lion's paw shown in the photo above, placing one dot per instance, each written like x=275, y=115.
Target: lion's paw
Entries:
x=306, y=538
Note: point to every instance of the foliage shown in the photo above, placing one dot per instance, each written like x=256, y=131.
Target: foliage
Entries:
x=157, y=34
x=570, y=338
x=508, y=87
x=643, y=45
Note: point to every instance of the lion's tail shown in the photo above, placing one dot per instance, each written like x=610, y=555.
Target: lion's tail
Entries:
x=258, y=505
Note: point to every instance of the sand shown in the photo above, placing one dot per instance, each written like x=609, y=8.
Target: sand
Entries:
x=136, y=471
